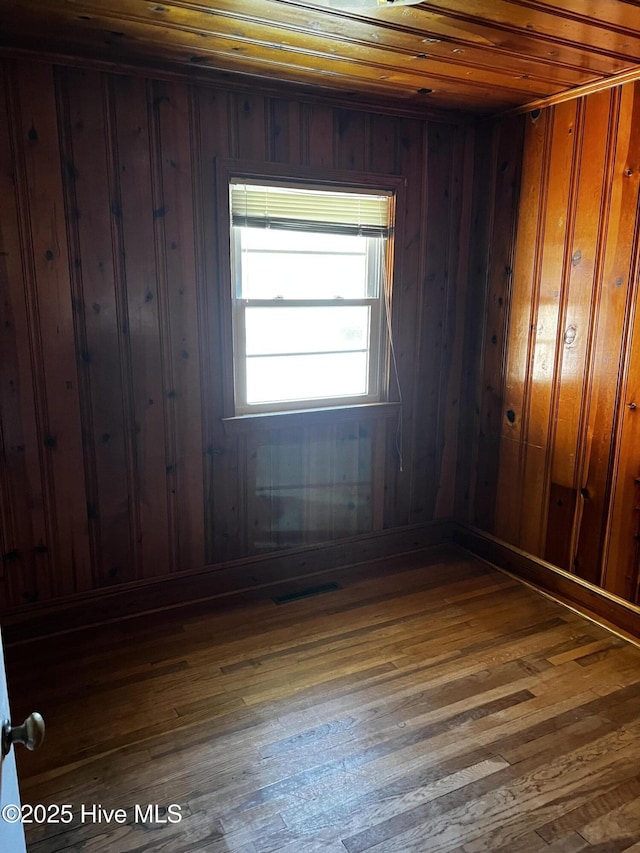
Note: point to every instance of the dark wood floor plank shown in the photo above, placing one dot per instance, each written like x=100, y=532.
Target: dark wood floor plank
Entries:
x=621, y=825
x=489, y=808
x=602, y=802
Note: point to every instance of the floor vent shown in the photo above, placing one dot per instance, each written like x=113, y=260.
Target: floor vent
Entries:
x=306, y=593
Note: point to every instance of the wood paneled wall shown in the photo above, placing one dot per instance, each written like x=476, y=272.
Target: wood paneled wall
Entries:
x=115, y=462
x=557, y=450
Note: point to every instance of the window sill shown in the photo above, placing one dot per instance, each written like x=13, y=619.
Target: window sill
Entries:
x=310, y=417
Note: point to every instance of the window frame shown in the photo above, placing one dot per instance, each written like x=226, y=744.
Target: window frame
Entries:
x=375, y=340
x=232, y=332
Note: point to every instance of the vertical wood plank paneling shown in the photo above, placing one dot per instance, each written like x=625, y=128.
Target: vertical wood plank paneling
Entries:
x=67, y=173
x=616, y=292
x=382, y=143
x=221, y=485
x=430, y=360
x=100, y=364
x=485, y=462
x=621, y=570
x=318, y=131
x=504, y=169
x=370, y=477
x=23, y=518
x=53, y=312
x=575, y=334
x=175, y=221
x=285, y=142
x=203, y=185
x=453, y=405
x=251, y=125
x=126, y=313
x=567, y=487
x=380, y=442
x=283, y=503
x=583, y=258
x=621, y=562
x=551, y=293
x=482, y=206
x=318, y=475
x=523, y=307
x=133, y=210
x=346, y=478
x=155, y=94
x=260, y=505
x=351, y=139
x=349, y=489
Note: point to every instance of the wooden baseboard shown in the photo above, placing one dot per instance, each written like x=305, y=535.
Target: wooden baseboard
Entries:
x=229, y=584
x=223, y=584
x=595, y=603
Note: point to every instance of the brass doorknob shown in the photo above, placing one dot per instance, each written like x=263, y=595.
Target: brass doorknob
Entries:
x=631, y=406
x=30, y=733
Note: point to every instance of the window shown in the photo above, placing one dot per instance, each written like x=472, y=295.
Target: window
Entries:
x=309, y=294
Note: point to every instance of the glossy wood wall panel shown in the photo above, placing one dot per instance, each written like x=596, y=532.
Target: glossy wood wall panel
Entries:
x=115, y=463
x=567, y=454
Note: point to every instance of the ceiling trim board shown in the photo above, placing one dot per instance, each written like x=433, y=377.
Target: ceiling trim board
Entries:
x=620, y=79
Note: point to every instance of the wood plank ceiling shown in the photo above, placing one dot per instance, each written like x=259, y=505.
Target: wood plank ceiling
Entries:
x=480, y=56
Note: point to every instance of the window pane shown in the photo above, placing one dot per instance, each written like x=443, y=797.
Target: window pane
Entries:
x=306, y=330
x=299, y=265
x=306, y=377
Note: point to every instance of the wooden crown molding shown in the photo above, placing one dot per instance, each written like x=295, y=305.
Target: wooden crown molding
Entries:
x=629, y=76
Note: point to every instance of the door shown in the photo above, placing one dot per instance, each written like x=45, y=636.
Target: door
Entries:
x=11, y=834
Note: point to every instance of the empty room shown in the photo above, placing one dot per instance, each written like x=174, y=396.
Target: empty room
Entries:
x=320, y=426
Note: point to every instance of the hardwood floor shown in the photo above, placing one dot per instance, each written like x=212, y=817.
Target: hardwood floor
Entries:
x=430, y=704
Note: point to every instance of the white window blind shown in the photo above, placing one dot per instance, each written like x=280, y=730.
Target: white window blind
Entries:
x=350, y=211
